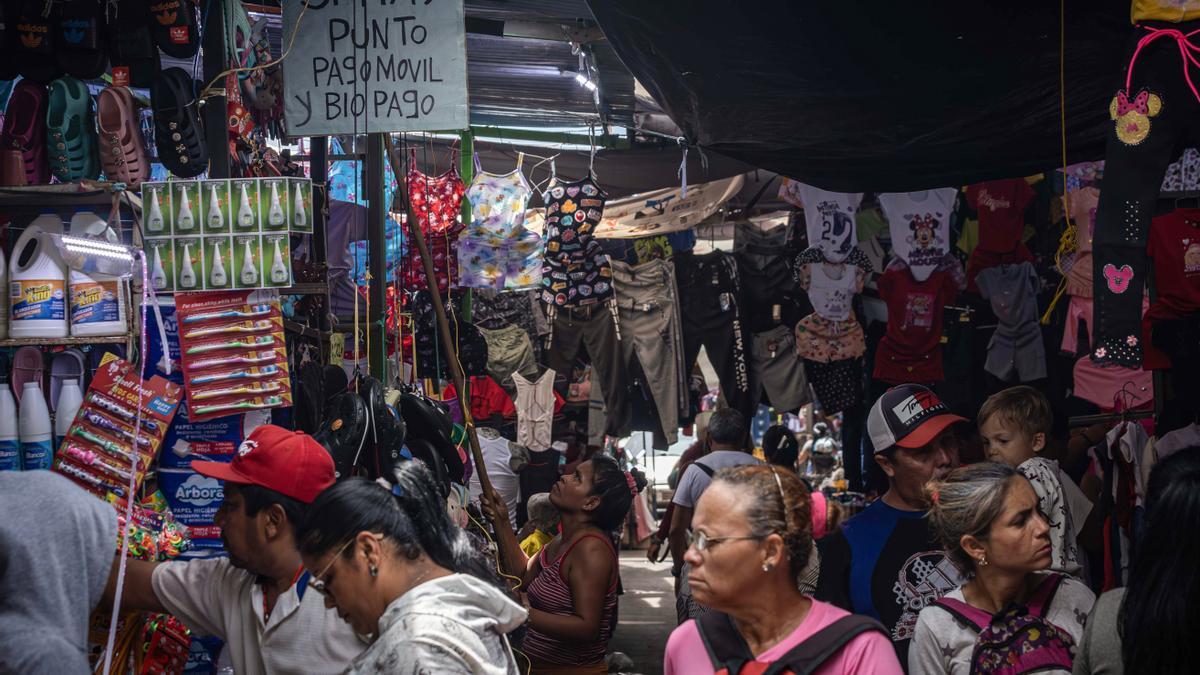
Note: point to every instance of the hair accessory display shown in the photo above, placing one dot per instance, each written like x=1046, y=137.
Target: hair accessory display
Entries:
x=249, y=365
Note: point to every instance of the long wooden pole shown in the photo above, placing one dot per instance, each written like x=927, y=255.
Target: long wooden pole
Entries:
x=506, y=535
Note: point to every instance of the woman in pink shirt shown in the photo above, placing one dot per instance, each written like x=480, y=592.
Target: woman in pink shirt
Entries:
x=750, y=541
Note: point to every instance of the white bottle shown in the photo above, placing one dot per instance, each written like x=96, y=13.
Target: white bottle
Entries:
x=214, y=209
x=218, y=277
x=187, y=274
x=37, y=287
x=34, y=430
x=249, y=271
x=158, y=277
x=186, y=220
x=275, y=216
x=70, y=398
x=10, y=442
x=97, y=301
x=154, y=223
x=279, y=271
x=245, y=217
x=299, y=215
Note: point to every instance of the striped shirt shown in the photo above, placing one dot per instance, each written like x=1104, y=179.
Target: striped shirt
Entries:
x=551, y=593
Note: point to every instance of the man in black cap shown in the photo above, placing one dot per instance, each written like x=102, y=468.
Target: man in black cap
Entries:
x=884, y=562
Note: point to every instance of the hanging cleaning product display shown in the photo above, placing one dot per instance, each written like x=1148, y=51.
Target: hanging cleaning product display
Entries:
x=111, y=437
x=233, y=353
x=259, y=213
x=97, y=296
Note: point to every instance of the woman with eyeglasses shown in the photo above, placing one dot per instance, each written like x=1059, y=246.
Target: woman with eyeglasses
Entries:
x=571, y=585
x=750, y=542
x=397, y=569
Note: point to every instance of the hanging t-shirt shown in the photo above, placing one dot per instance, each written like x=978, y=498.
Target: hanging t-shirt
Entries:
x=1001, y=207
x=886, y=563
x=911, y=349
x=1175, y=249
x=1016, y=350
x=830, y=219
x=920, y=226
x=1082, y=205
x=831, y=289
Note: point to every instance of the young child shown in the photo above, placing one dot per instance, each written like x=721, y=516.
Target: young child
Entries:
x=1014, y=424
x=542, y=525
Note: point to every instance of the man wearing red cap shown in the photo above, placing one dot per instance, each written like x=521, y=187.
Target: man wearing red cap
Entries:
x=255, y=600
x=884, y=562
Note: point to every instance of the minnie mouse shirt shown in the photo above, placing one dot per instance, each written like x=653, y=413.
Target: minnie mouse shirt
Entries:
x=920, y=227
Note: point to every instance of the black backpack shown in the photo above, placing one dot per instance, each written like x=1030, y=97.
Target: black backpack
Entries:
x=730, y=655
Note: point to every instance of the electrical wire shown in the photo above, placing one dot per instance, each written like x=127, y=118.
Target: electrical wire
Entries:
x=1068, y=242
x=249, y=69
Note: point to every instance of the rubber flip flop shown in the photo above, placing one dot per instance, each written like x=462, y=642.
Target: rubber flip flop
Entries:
x=66, y=365
x=80, y=41
x=131, y=48
x=122, y=147
x=71, y=131
x=175, y=28
x=35, y=43
x=28, y=366
x=25, y=133
x=178, y=130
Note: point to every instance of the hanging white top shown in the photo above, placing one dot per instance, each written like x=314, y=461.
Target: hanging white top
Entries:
x=831, y=289
x=830, y=220
x=535, y=410
x=920, y=226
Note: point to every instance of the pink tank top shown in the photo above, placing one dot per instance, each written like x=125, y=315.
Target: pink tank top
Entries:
x=551, y=593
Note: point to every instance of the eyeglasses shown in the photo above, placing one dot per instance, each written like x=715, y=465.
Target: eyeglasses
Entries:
x=316, y=582
x=702, y=541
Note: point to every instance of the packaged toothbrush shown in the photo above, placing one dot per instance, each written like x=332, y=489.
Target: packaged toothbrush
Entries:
x=233, y=353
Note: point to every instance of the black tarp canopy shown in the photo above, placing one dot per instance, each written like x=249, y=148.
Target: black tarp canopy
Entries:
x=857, y=95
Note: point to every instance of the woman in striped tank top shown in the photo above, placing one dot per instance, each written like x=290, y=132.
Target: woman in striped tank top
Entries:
x=571, y=585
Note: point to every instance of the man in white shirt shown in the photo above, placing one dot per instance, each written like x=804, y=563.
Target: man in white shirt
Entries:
x=257, y=600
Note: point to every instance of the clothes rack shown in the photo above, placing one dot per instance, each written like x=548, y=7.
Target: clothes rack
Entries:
x=1089, y=420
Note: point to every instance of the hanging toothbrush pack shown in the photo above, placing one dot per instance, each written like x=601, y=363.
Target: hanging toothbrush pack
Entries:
x=109, y=442
x=233, y=353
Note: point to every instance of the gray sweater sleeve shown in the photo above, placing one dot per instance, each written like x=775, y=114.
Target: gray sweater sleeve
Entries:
x=1099, y=652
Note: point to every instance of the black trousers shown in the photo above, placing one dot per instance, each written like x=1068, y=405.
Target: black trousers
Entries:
x=711, y=317
x=593, y=329
x=1152, y=116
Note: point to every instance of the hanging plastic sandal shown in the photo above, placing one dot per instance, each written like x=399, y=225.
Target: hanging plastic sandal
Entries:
x=28, y=366
x=66, y=365
x=122, y=148
x=174, y=26
x=178, y=130
x=131, y=47
x=71, y=132
x=23, y=142
x=80, y=42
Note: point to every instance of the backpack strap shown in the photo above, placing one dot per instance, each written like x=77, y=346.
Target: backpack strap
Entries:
x=708, y=470
x=727, y=650
x=808, y=656
x=972, y=617
x=1040, y=601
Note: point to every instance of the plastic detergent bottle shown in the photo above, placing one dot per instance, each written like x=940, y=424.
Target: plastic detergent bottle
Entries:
x=37, y=286
x=33, y=428
x=97, y=300
x=70, y=398
x=10, y=442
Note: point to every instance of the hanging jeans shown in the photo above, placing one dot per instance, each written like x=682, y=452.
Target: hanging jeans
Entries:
x=649, y=312
x=1156, y=106
x=710, y=313
x=594, y=329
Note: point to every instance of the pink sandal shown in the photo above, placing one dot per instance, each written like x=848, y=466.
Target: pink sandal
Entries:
x=122, y=147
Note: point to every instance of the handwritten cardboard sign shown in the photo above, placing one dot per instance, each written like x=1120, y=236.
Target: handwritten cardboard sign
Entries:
x=374, y=66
